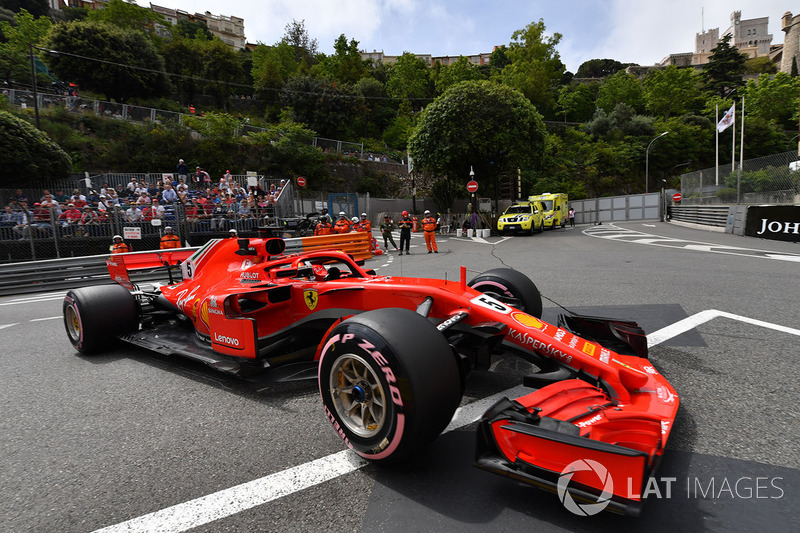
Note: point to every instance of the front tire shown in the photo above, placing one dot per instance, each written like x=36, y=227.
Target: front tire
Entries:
x=95, y=315
x=511, y=287
x=389, y=381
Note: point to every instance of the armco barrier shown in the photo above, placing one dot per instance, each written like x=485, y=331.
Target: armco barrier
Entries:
x=355, y=243
x=60, y=274
x=709, y=215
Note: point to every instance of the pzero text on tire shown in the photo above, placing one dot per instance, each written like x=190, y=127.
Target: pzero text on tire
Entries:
x=511, y=287
x=94, y=315
x=389, y=383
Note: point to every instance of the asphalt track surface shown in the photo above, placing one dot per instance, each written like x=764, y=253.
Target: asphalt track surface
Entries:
x=131, y=441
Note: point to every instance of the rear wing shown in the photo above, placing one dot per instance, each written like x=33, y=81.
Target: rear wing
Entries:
x=120, y=266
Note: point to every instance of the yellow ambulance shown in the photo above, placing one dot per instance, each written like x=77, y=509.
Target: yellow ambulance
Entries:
x=556, y=211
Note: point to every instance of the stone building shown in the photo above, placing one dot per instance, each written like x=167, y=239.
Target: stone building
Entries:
x=791, y=42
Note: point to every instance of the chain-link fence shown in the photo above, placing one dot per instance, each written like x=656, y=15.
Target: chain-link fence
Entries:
x=773, y=179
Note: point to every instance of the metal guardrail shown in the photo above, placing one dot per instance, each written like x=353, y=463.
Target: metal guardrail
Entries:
x=59, y=274
x=708, y=215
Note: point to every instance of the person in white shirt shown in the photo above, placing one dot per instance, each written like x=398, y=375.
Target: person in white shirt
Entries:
x=133, y=214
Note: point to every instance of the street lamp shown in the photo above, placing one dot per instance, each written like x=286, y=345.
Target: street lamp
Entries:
x=647, y=163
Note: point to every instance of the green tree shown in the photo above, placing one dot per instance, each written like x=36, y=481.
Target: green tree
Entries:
x=15, y=63
x=325, y=107
x=121, y=64
x=773, y=98
x=345, y=65
x=272, y=67
x=128, y=15
x=620, y=87
x=192, y=30
x=672, y=92
x=37, y=8
x=461, y=70
x=725, y=68
x=409, y=79
x=478, y=124
x=222, y=70
x=599, y=68
x=499, y=59
x=183, y=60
x=576, y=102
x=536, y=68
x=760, y=65
x=28, y=155
x=296, y=36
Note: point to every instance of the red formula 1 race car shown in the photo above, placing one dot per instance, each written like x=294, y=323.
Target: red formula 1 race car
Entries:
x=391, y=355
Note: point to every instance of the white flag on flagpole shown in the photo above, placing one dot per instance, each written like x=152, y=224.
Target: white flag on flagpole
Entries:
x=727, y=120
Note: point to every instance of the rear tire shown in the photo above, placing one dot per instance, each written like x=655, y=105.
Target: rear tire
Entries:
x=511, y=287
x=389, y=381
x=95, y=315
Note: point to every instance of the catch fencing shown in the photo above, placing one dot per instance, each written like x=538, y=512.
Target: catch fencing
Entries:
x=773, y=179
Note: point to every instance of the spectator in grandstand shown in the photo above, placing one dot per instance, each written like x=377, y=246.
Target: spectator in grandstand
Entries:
x=132, y=186
x=182, y=170
x=19, y=217
x=87, y=217
x=192, y=214
x=201, y=179
x=133, y=213
x=42, y=218
x=60, y=197
x=169, y=239
x=111, y=196
x=19, y=197
x=50, y=203
x=219, y=216
x=155, y=210
x=78, y=199
x=169, y=196
x=143, y=200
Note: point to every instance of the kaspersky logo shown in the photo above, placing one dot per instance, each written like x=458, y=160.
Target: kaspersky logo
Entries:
x=585, y=509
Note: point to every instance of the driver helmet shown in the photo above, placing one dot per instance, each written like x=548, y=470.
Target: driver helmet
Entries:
x=405, y=213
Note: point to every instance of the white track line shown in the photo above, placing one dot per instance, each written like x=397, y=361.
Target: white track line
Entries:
x=227, y=502
x=682, y=326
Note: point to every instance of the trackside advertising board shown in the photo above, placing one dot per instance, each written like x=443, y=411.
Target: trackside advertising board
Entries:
x=780, y=223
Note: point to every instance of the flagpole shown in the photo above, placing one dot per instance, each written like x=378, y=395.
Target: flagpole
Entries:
x=741, y=156
x=733, y=140
x=716, y=144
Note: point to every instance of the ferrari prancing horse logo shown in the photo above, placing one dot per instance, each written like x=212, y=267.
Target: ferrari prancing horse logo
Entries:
x=310, y=297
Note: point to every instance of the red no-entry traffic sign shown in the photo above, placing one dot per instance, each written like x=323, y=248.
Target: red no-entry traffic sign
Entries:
x=472, y=186
x=676, y=197
x=301, y=181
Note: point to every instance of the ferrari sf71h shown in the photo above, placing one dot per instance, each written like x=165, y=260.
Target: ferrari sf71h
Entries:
x=391, y=355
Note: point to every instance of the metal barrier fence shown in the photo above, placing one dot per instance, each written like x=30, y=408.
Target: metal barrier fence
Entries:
x=773, y=179
x=617, y=208
x=24, y=99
